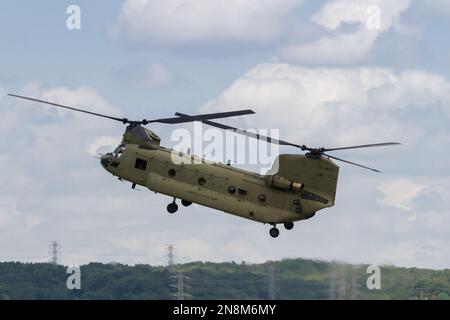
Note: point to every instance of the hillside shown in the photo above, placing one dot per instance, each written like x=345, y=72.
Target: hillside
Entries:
x=292, y=279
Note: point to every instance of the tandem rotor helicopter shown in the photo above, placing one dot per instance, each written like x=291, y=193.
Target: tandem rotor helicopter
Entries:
x=302, y=185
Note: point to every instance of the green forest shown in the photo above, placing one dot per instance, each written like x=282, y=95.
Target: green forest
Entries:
x=286, y=279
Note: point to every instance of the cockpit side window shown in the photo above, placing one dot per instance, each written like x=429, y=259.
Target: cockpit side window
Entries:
x=119, y=151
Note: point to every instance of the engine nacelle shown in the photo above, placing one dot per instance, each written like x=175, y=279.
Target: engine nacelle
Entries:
x=279, y=182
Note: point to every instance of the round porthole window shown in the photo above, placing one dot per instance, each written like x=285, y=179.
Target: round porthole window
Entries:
x=231, y=190
x=172, y=173
x=201, y=181
x=262, y=198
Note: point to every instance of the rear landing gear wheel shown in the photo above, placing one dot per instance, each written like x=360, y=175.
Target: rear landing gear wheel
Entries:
x=288, y=225
x=186, y=203
x=172, y=207
x=274, y=232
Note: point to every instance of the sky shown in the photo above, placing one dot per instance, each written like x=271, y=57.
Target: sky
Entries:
x=325, y=73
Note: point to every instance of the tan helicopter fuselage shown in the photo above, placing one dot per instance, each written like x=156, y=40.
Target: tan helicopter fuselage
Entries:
x=301, y=186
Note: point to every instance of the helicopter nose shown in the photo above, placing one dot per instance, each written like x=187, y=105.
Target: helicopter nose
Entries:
x=105, y=160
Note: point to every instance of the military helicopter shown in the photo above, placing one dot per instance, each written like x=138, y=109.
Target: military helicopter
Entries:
x=298, y=187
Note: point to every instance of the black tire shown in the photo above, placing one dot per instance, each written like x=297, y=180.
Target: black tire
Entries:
x=186, y=203
x=288, y=225
x=274, y=232
x=172, y=207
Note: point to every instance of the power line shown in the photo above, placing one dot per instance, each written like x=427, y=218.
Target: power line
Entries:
x=24, y=257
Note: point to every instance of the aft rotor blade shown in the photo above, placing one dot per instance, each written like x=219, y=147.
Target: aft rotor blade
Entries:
x=181, y=118
x=246, y=133
x=353, y=163
x=363, y=146
x=123, y=120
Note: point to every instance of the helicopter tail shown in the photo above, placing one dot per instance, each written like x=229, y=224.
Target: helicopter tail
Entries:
x=318, y=176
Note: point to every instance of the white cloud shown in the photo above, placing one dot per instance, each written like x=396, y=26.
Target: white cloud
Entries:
x=197, y=21
x=5, y=217
x=338, y=12
x=345, y=106
x=56, y=127
x=400, y=193
x=337, y=105
x=346, y=47
x=47, y=157
x=152, y=76
x=81, y=97
x=101, y=142
x=32, y=221
x=144, y=75
x=85, y=208
x=343, y=48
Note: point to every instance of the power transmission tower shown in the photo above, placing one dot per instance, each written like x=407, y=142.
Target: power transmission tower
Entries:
x=170, y=257
x=332, y=285
x=181, y=286
x=54, y=246
x=342, y=294
x=271, y=280
x=180, y=278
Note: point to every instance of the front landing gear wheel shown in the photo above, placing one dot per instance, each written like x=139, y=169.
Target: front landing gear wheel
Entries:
x=288, y=225
x=274, y=232
x=172, y=207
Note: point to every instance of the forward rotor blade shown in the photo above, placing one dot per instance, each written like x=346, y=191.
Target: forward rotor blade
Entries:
x=181, y=118
x=245, y=133
x=123, y=120
x=349, y=162
x=172, y=120
x=364, y=146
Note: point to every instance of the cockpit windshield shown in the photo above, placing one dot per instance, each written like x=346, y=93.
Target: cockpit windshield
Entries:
x=119, y=151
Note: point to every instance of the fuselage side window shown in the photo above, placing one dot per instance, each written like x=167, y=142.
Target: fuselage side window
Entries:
x=140, y=164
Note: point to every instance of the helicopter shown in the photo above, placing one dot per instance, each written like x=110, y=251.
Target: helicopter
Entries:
x=296, y=187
